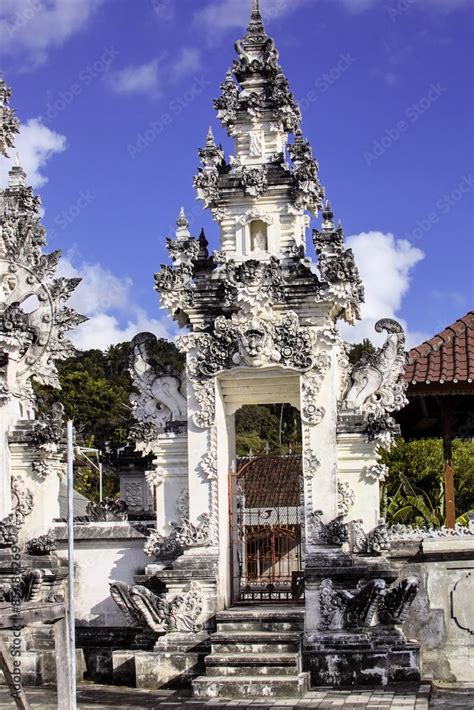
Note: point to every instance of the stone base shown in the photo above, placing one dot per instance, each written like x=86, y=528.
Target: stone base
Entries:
x=251, y=687
x=175, y=662
x=347, y=659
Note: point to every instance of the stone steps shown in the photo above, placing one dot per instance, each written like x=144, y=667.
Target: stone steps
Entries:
x=251, y=686
x=246, y=664
x=255, y=642
x=255, y=653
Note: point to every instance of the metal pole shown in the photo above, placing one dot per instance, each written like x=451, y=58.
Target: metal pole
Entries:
x=100, y=481
x=70, y=550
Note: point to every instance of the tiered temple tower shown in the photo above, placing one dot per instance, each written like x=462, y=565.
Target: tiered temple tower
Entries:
x=33, y=324
x=260, y=326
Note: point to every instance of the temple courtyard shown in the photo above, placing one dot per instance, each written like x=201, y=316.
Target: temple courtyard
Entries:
x=98, y=696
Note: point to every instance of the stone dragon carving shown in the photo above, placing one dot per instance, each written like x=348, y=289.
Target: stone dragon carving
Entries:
x=396, y=603
x=377, y=386
x=160, y=397
x=343, y=609
x=183, y=613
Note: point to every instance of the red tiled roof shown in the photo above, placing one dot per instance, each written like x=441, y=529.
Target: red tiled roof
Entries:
x=271, y=481
x=446, y=358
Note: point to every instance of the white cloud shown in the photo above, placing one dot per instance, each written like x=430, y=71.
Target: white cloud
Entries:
x=35, y=145
x=221, y=15
x=189, y=61
x=138, y=79
x=108, y=302
x=31, y=27
x=385, y=265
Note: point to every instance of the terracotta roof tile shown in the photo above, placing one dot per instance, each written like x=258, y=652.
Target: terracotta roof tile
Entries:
x=447, y=357
x=271, y=481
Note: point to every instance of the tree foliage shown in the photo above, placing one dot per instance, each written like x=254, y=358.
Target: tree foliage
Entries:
x=95, y=392
x=414, y=491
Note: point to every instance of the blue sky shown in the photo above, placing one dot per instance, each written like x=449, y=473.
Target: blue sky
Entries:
x=116, y=98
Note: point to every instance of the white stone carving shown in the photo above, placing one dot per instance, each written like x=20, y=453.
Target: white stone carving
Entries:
x=311, y=412
x=377, y=385
x=182, y=503
x=256, y=213
x=376, y=472
x=345, y=497
x=257, y=144
x=160, y=399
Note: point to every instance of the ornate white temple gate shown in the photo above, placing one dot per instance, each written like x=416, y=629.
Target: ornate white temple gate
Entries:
x=261, y=320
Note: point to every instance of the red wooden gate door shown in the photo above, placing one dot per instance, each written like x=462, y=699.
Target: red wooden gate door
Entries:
x=266, y=522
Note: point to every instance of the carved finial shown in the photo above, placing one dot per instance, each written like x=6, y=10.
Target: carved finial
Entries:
x=328, y=217
x=16, y=174
x=182, y=221
x=229, y=76
x=210, y=143
x=203, y=244
x=256, y=24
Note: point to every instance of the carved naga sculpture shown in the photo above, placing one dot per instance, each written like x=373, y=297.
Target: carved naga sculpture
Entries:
x=342, y=609
x=160, y=399
x=376, y=384
x=396, y=603
x=143, y=608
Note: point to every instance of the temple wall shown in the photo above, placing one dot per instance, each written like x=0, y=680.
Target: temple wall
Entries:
x=103, y=553
x=442, y=616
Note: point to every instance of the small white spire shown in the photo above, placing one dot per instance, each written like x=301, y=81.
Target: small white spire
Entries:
x=16, y=174
x=183, y=226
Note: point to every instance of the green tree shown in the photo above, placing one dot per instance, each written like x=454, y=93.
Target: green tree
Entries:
x=95, y=392
x=414, y=491
x=360, y=350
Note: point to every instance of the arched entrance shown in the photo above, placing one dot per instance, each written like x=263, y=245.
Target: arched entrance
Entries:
x=266, y=524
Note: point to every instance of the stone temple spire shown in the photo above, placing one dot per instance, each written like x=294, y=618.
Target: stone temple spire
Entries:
x=260, y=196
x=33, y=340
x=9, y=124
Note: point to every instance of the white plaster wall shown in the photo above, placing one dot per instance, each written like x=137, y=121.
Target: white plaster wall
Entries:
x=100, y=560
x=354, y=456
x=442, y=615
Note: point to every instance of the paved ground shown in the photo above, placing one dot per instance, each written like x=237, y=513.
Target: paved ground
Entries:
x=95, y=697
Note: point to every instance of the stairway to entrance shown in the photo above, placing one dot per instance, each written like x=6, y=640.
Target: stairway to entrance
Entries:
x=255, y=653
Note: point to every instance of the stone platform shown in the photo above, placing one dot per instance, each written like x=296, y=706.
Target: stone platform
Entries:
x=97, y=697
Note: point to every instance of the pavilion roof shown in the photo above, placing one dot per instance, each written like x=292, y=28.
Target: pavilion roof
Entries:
x=446, y=358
